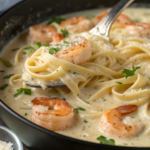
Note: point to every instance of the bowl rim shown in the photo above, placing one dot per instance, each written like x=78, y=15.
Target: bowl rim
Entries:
x=15, y=137
x=71, y=139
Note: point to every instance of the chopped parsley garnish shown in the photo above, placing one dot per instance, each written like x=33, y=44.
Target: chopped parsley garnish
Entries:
x=90, y=16
x=63, y=99
x=69, y=70
x=3, y=87
x=15, y=49
x=79, y=108
x=8, y=76
x=2, y=70
x=65, y=42
x=6, y=62
x=119, y=82
x=25, y=114
x=46, y=44
x=103, y=140
x=129, y=73
x=74, y=73
x=86, y=102
x=65, y=33
x=149, y=78
x=85, y=121
x=28, y=49
x=83, y=128
x=37, y=45
x=21, y=90
x=57, y=20
x=53, y=50
x=27, y=91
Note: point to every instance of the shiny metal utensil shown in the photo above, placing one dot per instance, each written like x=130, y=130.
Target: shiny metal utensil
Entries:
x=49, y=85
x=101, y=29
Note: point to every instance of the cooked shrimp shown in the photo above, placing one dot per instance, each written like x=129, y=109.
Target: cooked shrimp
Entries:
x=139, y=29
x=76, y=50
x=43, y=34
x=111, y=122
x=121, y=19
x=52, y=113
x=77, y=24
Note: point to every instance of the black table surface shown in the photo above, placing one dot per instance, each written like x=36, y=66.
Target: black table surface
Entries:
x=3, y=124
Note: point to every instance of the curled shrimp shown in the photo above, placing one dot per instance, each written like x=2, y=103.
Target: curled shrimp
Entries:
x=77, y=24
x=138, y=29
x=52, y=114
x=76, y=50
x=121, y=19
x=43, y=34
x=111, y=122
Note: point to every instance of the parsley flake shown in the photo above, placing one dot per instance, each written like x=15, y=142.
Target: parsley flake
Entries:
x=46, y=44
x=63, y=99
x=27, y=91
x=8, y=76
x=83, y=128
x=21, y=90
x=57, y=20
x=65, y=42
x=25, y=114
x=85, y=121
x=119, y=82
x=3, y=87
x=103, y=140
x=28, y=49
x=65, y=33
x=149, y=78
x=86, y=102
x=6, y=62
x=53, y=50
x=37, y=45
x=79, y=108
x=129, y=73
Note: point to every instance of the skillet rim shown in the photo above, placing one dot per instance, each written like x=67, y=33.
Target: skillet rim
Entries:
x=26, y=121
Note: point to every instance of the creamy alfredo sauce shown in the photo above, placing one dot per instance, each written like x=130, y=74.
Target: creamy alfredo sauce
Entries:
x=87, y=130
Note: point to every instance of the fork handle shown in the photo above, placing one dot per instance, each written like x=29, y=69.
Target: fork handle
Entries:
x=104, y=26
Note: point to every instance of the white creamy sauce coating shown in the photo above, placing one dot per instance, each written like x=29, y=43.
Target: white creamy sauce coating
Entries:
x=86, y=131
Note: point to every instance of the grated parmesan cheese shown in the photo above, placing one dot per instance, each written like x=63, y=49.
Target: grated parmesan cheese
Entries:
x=65, y=44
x=6, y=146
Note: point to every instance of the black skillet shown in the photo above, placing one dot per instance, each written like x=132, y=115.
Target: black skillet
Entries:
x=19, y=18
